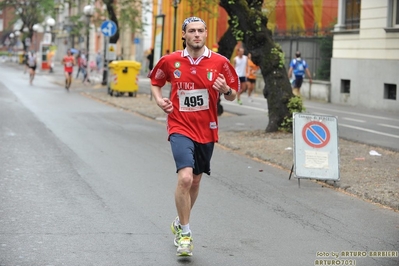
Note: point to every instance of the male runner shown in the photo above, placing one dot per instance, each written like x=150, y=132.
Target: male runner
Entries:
x=240, y=63
x=198, y=77
x=69, y=62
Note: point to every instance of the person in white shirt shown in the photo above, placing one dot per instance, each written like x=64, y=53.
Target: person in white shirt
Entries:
x=240, y=64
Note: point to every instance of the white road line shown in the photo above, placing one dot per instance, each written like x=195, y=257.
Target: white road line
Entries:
x=346, y=112
x=369, y=130
x=391, y=126
x=354, y=120
x=244, y=106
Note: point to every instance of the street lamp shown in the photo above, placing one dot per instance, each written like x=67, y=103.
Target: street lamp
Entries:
x=50, y=22
x=175, y=5
x=89, y=12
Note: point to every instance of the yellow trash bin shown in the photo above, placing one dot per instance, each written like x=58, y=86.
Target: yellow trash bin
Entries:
x=21, y=58
x=123, y=78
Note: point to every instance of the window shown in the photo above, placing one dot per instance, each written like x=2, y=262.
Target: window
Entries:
x=345, y=86
x=1, y=24
x=395, y=15
x=390, y=91
x=352, y=14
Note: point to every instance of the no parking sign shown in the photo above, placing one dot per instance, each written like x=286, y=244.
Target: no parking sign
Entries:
x=316, y=147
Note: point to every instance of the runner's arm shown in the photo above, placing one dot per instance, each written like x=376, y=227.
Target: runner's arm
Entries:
x=309, y=75
x=164, y=103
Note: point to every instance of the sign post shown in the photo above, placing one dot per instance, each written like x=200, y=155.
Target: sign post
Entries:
x=315, y=147
x=108, y=29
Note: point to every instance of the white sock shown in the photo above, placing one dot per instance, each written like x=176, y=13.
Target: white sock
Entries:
x=185, y=229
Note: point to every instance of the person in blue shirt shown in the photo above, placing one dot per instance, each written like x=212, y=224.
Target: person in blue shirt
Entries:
x=299, y=67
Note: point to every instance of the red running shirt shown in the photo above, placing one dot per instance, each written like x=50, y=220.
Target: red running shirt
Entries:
x=68, y=63
x=194, y=100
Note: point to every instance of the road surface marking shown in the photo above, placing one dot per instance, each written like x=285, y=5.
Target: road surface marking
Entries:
x=358, y=114
x=391, y=126
x=354, y=120
x=369, y=130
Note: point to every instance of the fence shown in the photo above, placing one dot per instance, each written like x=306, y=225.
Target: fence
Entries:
x=308, y=43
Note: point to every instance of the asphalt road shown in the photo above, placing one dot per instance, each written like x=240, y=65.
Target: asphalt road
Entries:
x=83, y=183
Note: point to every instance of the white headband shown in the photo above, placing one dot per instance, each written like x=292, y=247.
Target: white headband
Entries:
x=189, y=20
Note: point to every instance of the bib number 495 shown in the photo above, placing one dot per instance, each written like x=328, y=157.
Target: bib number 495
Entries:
x=194, y=101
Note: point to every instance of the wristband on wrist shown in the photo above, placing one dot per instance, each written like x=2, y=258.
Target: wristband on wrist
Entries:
x=229, y=92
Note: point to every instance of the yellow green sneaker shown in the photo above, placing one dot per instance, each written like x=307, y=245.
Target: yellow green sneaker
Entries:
x=176, y=230
x=185, y=247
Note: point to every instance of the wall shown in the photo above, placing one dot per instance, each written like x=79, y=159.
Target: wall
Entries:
x=368, y=57
x=367, y=78
x=318, y=91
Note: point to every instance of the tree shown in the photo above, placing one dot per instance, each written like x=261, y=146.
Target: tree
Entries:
x=248, y=24
x=30, y=13
x=125, y=14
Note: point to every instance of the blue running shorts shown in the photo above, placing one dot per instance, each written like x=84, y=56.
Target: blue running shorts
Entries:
x=188, y=153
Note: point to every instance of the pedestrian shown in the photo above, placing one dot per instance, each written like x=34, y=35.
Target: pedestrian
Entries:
x=198, y=77
x=68, y=62
x=240, y=63
x=99, y=60
x=50, y=59
x=80, y=69
x=150, y=58
x=32, y=62
x=298, y=66
x=26, y=61
x=251, y=76
x=84, y=67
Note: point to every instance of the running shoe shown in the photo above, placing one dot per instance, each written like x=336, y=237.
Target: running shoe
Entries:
x=176, y=230
x=185, y=247
x=239, y=101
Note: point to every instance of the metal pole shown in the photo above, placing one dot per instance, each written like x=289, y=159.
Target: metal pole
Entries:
x=174, y=25
x=105, y=69
x=88, y=49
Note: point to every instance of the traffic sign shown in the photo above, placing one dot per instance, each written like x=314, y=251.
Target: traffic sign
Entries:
x=111, y=52
x=316, y=147
x=108, y=28
x=316, y=134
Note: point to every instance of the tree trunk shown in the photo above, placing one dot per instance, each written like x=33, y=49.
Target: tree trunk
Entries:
x=227, y=43
x=112, y=16
x=250, y=24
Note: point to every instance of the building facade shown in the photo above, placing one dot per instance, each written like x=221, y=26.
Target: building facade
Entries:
x=364, y=67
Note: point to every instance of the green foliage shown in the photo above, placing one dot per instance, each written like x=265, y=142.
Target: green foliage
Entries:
x=78, y=25
x=278, y=52
x=326, y=47
x=30, y=12
x=295, y=105
x=130, y=14
x=235, y=29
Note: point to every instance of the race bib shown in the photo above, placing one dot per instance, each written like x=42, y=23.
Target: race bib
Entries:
x=193, y=100
x=68, y=64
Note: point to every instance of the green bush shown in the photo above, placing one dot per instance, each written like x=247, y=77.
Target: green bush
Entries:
x=295, y=105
